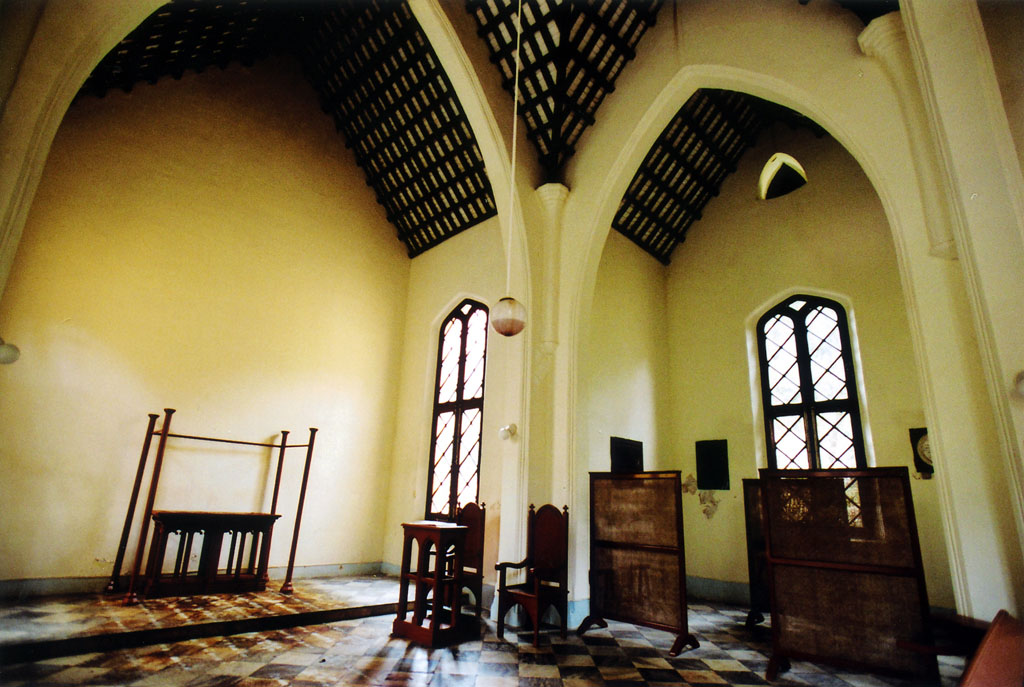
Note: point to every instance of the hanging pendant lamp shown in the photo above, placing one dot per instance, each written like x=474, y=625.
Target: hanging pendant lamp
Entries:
x=508, y=316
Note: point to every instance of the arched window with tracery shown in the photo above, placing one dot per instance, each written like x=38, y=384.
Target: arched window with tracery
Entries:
x=808, y=388
x=454, y=477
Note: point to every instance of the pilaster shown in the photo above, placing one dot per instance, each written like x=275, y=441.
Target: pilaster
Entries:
x=955, y=75
x=885, y=40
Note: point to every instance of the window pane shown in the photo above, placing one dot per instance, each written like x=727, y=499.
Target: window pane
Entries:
x=825, y=345
x=469, y=456
x=444, y=446
x=790, y=442
x=448, y=374
x=780, y=350
x=854, y=515
x=476, y=345
x=459, y=394
x=835, y=440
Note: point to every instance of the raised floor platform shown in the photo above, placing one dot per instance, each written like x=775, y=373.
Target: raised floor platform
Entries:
x=48, y=627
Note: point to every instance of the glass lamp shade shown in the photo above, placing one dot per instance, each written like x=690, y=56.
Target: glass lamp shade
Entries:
x=8, y=353
x=508, y=316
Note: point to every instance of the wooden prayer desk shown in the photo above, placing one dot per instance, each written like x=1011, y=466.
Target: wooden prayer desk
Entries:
x=249, y=533
x=435, y=577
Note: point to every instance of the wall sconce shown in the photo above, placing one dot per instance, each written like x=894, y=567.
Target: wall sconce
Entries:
x=782, y=174
x=8, y=353
x=1018, y=386
x=508, y=431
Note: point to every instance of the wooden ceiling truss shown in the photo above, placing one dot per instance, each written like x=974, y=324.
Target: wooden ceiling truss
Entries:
x=571, y=53
x=379, y=79
x=685, y=168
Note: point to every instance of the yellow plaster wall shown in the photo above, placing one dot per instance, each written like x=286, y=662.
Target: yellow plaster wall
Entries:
x=210, y=245
x=625, y=386
x=745, y=255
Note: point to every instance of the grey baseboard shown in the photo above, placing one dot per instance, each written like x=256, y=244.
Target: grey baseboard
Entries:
x=61, y=586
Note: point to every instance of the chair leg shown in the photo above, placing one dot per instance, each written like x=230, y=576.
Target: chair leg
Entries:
x=503, y=606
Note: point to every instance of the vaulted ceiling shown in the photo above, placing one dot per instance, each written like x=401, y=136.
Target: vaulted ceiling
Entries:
x=379, y=79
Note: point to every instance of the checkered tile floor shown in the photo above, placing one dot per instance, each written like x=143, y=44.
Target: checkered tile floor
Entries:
x=361, y=652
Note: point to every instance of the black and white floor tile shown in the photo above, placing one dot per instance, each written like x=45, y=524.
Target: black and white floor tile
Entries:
x=361, y=652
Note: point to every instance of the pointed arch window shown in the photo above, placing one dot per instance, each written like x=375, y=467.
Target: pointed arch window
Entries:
x=808, y=392
x=454, y=477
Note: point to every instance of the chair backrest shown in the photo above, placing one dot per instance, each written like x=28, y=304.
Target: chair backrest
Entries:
x=547, y=542
x=999, y=660
x=473, y=518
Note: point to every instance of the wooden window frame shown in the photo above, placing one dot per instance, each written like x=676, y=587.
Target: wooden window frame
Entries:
x=457, y=407
x=808, y=407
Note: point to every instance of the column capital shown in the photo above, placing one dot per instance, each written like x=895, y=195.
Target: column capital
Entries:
x=883, y=37
x=553, y=196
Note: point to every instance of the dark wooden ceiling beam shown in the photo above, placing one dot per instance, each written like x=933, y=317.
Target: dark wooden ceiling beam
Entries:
x=606, y=31
x=679, y=157
x=428, y=208
x=649, y=203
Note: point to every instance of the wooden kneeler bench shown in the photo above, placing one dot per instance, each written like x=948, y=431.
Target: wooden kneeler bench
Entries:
x=248, y=535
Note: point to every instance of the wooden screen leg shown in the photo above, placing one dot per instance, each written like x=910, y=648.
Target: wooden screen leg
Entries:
x=590, y=621
x=776, y=665
x=681, y=641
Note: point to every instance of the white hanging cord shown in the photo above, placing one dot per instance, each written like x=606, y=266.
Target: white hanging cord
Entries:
x=512, y=166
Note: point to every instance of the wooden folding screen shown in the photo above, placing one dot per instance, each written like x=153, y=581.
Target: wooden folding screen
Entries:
x=637, y=566
x=844, y=567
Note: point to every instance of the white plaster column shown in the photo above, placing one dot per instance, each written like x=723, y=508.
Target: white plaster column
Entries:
x=977, y=157
x=543, y=227
x=553, y=198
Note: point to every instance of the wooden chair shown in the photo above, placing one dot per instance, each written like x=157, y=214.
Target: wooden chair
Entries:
x=546, y=565
x=999, y=660
x=473, y=518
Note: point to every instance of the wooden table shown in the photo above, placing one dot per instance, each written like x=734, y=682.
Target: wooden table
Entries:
x=249, y=533
x=435, y=578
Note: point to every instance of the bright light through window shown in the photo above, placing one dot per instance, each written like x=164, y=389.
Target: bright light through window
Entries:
x=812, y=418
x=454, y=477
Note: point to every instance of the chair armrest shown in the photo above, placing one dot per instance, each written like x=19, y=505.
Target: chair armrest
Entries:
x=503, y=567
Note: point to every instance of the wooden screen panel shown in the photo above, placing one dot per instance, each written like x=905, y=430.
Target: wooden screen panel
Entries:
x=844, y=566
x=850, y=616
x=635, y=511
x=637, y=568
x=637, y=586
x=844, y=518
